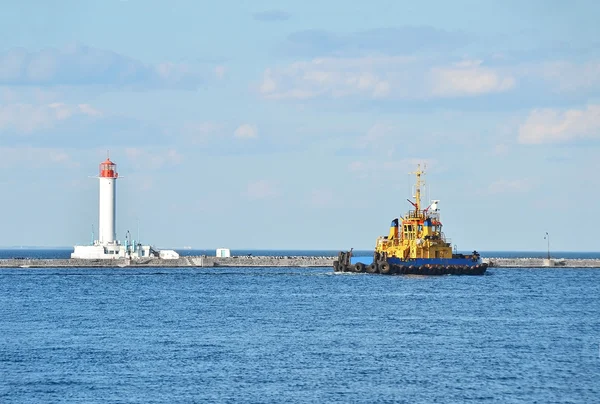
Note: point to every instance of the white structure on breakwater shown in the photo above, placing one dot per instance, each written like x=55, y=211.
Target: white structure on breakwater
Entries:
x=223, y=252
x=107, y=246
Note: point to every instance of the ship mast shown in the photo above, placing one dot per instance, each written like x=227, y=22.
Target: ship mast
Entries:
x=418, y=186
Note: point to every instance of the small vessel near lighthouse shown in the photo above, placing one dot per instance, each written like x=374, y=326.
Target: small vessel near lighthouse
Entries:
x=414, y=245
x=107, y=246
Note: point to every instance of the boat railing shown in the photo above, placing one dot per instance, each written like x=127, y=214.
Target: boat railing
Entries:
x=384, y=243
x=434, y=215
x=414, y=214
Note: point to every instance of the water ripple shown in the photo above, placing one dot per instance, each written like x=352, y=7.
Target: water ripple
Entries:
x=298, y=335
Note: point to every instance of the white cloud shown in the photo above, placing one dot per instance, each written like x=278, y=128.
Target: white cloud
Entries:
x=331, y=77
x=173, y=71
x=321, y=197
x=261, y=189
x=356, y=166
x=566, y=76
x=500, y=149
x=468, y=78
x=397, y=40
x=144, y=183
x=360, y=169
x=146, y=159
x=27, y=118
x=28, y=94
x=373, y=77
x=202, y=132
x=11, y=157
x=508, y=186
x=220, y=71
x=79, y=65
x=246, y=131
x=268, y=84
x=376, y=135
x=376, y=168
x=271, y=15
x=426, y=78
x=87, y=109
x=556, y=126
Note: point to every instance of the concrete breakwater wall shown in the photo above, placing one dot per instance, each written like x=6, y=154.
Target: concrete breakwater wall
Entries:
x=541, y=262
x=265, y=261
x=188, y=261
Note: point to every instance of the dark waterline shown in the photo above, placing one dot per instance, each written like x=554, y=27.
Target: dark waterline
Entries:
x=298, y=335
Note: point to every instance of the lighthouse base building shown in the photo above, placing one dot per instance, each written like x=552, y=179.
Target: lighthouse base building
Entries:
x=98, y=251
x=107, y=246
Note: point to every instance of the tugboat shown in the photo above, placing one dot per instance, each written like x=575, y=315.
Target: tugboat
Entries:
x=415, y=245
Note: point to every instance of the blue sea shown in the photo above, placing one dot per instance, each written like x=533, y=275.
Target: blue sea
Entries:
x=298, y=335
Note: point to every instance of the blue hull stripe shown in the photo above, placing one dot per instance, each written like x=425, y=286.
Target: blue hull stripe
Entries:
x=420, y=261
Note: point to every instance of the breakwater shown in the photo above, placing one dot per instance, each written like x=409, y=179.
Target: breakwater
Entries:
x=541, y=262
x=264, y=261
x=185, y=261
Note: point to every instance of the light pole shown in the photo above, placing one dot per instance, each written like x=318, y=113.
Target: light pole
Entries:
x=547, y=237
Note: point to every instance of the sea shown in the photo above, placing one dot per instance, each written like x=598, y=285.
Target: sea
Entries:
x=297, y=335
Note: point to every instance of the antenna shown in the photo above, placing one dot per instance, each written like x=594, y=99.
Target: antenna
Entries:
x=92, y=243
x=138, y=229
x=418, y=186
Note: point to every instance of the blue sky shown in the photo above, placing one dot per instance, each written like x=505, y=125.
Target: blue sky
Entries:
x=293, y=125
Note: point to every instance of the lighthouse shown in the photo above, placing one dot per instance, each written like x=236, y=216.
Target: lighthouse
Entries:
x=107, y=202
x=107, y=246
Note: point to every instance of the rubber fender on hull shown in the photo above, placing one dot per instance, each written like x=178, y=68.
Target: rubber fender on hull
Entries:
x=373, y=268
x=384, y=267
x=359, y=267
x=336, y=266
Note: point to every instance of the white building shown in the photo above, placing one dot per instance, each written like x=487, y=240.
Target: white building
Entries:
x=223, y=252
x=107, y=246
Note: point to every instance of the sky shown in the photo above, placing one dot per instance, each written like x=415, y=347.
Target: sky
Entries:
x=295, y=125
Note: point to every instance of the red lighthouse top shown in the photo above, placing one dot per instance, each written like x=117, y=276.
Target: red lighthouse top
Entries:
x=108, y=169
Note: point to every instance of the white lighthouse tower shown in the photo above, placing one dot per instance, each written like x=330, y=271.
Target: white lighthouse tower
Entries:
x=107, y=246
x=107, y=202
